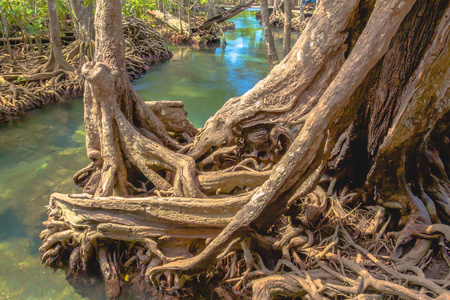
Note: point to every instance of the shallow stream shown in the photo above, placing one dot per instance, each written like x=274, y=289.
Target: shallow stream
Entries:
x=41, y=151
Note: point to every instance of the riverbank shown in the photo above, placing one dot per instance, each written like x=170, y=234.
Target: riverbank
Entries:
x=23, y=87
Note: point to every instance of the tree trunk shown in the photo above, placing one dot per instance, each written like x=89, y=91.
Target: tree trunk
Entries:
x=37, y=30
x=56, y=59
x=215, y=12
x=287, y=27
x=180, y=15
x=194, y=7
x=356, y=114
x=189, y=23
x=268, y=37
x=83, y=19
x=6, y=35
x=209, y=10
x=302, y=10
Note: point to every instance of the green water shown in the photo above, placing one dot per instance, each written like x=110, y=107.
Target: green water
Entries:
x=40, y=152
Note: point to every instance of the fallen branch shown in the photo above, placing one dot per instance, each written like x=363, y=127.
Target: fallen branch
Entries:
x=169, y=20
x=226, y=15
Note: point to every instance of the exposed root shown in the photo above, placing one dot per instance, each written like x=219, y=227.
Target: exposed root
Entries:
x=242, y=205
x=303, y=266
x=24, y=86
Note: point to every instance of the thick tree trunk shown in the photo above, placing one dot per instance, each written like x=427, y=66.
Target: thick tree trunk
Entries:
x=56, y=59
x=83, y=18
x=268, y=37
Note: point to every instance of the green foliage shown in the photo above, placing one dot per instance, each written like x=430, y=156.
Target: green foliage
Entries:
x=138, y=7
x=87, y=2
x=31, y=15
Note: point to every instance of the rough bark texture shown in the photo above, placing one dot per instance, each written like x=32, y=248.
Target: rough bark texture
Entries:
x=83, y=18
x=56, y=59
x=268, y=37
x=6, y=34
x=287, y=27
x=266, y=197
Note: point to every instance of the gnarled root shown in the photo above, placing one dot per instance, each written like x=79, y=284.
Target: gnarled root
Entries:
x=142, y=149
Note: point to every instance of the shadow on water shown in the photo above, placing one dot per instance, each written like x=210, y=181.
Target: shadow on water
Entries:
x=41, y=151
x=11, y=225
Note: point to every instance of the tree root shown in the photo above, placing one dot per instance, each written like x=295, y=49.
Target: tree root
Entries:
x=309, y=268
x=24, y=87
x=275, y=232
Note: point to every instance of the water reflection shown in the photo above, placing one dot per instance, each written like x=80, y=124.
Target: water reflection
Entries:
x=205, y=79
x=40, y=152
x=38, y=156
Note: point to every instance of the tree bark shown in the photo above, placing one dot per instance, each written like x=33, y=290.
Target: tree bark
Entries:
x=287, y=27
x=180, y=15
x=83, y=19
x=209, y=10
x=268, y=37
x=194, y=7
x=6, y=35
x=56, y=59
x=302, y=10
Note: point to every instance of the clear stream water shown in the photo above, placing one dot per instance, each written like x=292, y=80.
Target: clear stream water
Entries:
x=40, y=152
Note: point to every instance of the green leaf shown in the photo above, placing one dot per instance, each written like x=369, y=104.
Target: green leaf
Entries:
x=87, y=2
x=31, y=29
